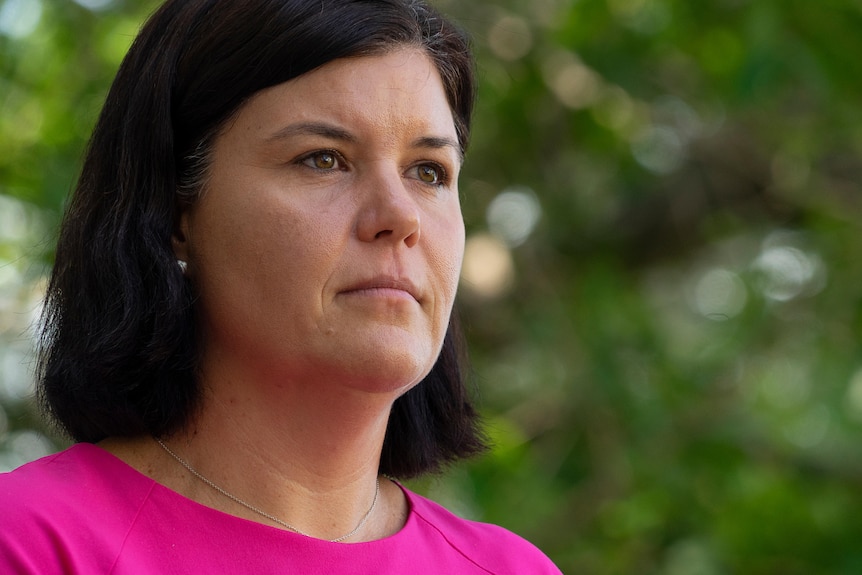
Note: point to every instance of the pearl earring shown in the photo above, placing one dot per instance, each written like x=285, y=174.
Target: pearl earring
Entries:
x=183, y=266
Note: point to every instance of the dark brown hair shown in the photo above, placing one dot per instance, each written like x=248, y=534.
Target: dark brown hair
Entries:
x=119, y=350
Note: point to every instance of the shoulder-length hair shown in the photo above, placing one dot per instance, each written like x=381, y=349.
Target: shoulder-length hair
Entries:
x=119, y=349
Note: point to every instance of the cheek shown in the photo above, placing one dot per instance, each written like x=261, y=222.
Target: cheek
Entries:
x=458, y=251
x=247, y=254
x=449, y=254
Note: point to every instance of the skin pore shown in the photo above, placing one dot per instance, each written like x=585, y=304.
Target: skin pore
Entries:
x=326, y=248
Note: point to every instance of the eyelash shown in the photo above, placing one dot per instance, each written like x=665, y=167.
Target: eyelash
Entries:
x=339, y=164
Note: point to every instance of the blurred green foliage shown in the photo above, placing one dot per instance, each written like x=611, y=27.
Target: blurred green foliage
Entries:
x=660, y=289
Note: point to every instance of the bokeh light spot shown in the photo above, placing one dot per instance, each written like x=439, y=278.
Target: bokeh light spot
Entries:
x=786, y=385
x=95, y=5
x=853, y=396
x=513, y=215
x=720, y=295
x=19, y=18
x=659, y=149
x=811, y=428
x=488, y=269
x=574, y=84
x=787, y=272
x=510, y=38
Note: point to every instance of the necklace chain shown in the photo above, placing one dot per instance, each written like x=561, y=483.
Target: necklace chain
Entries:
x=263, y=513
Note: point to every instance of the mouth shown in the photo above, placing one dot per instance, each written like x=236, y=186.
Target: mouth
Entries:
x=384, y=287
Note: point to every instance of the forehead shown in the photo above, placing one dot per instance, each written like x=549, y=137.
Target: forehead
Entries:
x=397, y=90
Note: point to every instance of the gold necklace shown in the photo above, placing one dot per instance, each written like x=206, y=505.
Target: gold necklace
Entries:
x=262, y=513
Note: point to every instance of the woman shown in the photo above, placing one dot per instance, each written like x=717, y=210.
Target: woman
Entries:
x=248, y=327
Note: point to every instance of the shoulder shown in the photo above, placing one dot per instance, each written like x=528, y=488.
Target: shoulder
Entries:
x=53, y=507
x=66, y=480
x=491, y=547
x=46, y=483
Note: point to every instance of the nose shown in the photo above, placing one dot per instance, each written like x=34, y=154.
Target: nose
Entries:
x=388, y=210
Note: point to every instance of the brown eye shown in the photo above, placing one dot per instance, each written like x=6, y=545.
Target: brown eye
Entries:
x=324, y=161
x=429, y=174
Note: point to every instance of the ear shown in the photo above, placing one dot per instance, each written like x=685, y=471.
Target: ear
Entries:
x=180, y=237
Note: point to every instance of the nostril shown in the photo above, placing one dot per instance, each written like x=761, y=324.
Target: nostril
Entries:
x=382, y=234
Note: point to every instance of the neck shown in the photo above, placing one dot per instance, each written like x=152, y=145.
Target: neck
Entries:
x=301, y=434
x=307, y=454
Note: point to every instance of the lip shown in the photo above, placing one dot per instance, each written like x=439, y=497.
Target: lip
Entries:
x=383, y=284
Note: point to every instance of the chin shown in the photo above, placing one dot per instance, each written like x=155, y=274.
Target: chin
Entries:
x=389, y=370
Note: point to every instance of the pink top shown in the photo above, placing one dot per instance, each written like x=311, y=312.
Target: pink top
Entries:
x=85, y=511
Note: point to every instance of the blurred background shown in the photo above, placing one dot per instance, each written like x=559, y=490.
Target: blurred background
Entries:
x=661, y=286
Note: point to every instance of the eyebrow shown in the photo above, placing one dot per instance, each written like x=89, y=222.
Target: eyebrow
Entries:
x=312, y=129
x=437, y=143
x=336, y=133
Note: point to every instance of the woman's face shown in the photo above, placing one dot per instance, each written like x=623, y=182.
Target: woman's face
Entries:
x=328, y=240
